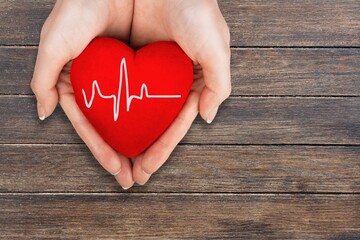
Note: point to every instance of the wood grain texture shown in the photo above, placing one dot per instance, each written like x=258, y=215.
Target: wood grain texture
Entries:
x=296, y=71
x=293, y=23
x=252, y=23
x=180, y=216
x=17, y=67
x=304, y=71
x=281, y=160
x=21, y=21
x=267, y=120
x=71, y=168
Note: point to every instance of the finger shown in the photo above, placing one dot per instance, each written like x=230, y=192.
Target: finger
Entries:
x=156, y=155
x=111, y=161
x=60, y=41
x=47, y=69
x=216, y=72
x=124, y=178
x=211, y=50
x=139, y=174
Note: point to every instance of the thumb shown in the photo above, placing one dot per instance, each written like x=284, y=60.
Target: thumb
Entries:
x=49, y=64
x=216, y=71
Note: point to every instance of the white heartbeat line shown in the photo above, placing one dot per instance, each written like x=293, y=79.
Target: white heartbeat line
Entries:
x=116, y=98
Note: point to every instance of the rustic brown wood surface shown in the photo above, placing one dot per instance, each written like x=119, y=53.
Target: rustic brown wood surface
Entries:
x=281, y=161
x=255, y=71
x=114, y=216
x=242, y=120
x=225, y=169
x=252, y=22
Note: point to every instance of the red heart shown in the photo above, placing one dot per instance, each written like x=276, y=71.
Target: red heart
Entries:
x=159, y=79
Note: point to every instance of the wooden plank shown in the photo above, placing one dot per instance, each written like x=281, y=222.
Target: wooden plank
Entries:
x=21, y=21
x=252, y=23
x=195, y=216
x=293, y=23
x=269, y=120
x=298, y=71
x=71, y=168
x=17, y=67
x=304, y=71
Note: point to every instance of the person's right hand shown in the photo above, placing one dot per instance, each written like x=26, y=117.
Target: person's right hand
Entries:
x=67, y=31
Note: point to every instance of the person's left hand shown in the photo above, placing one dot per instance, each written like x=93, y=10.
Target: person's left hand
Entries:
x=201, y=31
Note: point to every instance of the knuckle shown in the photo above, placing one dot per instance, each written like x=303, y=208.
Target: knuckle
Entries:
x=184, y=122
x=227, y=91
x=165, y=144
x=227, y=35
x=76, y=125
x=102, y=155
x=35, y=87
x=56, y=47
x=79, y=123
x=44, y=31
x=180, y=120
x=226, y=52
x=47, y=48
x=147, y=170
x=226, y=94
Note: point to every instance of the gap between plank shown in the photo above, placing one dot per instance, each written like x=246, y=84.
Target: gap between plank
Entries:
x=176, y=193
x=232, y=46
x=198, y=144
x=293, y=47
x=231, y=96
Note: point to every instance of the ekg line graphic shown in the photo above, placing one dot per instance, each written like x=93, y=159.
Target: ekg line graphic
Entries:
x=116, y=98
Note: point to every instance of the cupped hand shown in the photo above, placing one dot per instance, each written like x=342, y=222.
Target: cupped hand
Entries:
x=201, y=31
x=67, y=31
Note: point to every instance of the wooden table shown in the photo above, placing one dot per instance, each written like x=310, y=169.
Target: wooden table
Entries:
x=281, y=161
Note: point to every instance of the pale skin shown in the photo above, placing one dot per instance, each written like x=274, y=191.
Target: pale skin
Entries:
x=196, y=25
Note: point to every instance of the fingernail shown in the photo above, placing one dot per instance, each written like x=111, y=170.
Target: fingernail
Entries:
x=126, y=188
x=41, y=112
x=115, y=166
x=148, y=176
x=117, y=172
x=212, y=115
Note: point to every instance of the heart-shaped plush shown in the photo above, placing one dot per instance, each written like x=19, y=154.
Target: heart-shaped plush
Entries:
x=130, y=97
